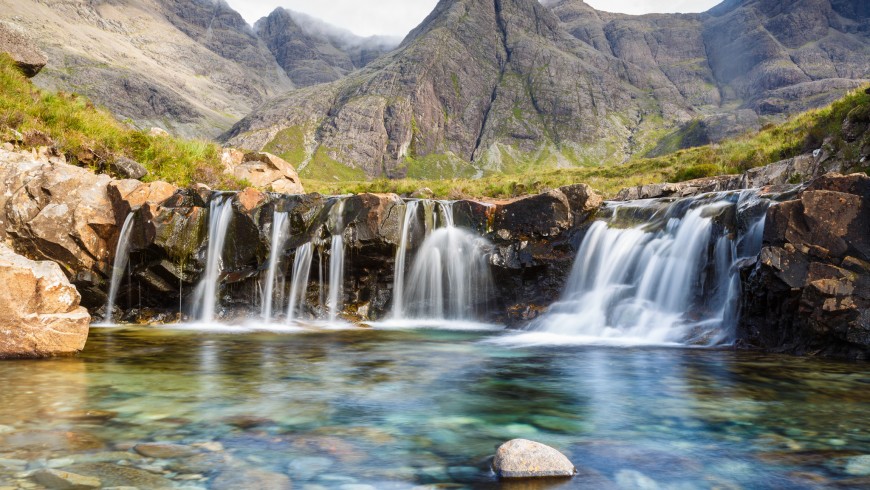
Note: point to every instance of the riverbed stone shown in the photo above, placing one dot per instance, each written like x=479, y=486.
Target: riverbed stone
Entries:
x=41, y=313
x=64, y=480
x=162, y=450
x=250, y=479
x=858, y=465
x=122, y=476
x=522, y=458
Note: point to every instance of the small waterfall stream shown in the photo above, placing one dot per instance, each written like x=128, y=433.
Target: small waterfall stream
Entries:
x=449, y=277
x=299, y=282
x=671, y=278
x=401, y=258
x=280, y=228
x=220, y=215
x=119, y=266
x=336, y=260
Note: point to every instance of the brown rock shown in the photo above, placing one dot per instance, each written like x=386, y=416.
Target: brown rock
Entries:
x=64, y=480
x=113, y=475
x=250, y=198
x=521, y=458
x=23, y=51
x=161, y=450
x=263, y=170
x=41, y=313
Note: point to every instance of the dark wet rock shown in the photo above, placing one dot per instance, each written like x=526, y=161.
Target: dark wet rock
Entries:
x=247, y=421
x=161, y=450
x=64, y=480
x=251, y=479
x=809, y=292
x=87, y=416
x=521, y=458
x=122, y=476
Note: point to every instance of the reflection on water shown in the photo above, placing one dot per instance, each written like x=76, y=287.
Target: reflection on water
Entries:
x=399, y=409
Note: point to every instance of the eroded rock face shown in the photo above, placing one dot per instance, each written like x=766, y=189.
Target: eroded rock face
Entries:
x=521, y=458
x=809, y=292
x=41, y=313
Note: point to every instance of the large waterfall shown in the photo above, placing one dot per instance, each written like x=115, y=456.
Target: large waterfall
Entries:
x=220, y=215
x=656, y=272
x=122, y=257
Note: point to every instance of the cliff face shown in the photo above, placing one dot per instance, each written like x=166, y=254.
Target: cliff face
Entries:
x=311, y=52
x=491, y=85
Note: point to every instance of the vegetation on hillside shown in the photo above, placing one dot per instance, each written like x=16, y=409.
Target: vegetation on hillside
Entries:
x=92, y=137
x=802, y=133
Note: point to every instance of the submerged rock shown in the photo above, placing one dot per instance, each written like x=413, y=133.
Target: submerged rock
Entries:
x=64, y=480
x=250, y=479
x=521, y=458
x=164, y=450
x=41, y=313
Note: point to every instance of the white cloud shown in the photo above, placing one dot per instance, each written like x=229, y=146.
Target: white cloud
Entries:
x=397, y=17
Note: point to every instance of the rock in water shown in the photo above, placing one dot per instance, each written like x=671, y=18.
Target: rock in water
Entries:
x=64, y=480
x=521, y=458
x=41, y=313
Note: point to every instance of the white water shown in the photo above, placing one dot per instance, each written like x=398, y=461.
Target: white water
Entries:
x=280, y=227
x=336, y=261
x=122, y=258
x=450, y=277
x=641, y=285
x=219, y=217
x=401, y=257
x=299, y=283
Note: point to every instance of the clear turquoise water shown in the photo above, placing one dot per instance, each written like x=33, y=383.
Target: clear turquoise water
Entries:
x=399, y=409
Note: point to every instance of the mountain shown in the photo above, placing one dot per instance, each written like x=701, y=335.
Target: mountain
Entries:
x=311, y=51
x=502, y=85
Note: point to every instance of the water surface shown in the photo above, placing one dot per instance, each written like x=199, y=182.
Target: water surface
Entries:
x=401, y=409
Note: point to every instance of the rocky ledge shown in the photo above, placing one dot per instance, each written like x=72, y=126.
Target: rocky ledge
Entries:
x=809, y=291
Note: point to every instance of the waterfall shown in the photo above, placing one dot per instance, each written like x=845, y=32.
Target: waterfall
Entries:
x=219, y=217
x=280, y=226
x=122, y=257
x=450, y=277
x=401, y=257
x=336, y=260
x=670, y=279
x=299, y=282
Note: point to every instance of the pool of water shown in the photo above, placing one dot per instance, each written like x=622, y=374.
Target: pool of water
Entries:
x=356, y=409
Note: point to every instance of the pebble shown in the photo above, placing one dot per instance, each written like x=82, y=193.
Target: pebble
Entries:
x=164, y=450
x=307, y=468
x=635, y=480
x=858, y=465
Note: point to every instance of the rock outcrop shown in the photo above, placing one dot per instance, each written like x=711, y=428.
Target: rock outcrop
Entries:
x=41, y=313
x=809, y=292
x=263, y=170
x=521, y=458
x=22, y=50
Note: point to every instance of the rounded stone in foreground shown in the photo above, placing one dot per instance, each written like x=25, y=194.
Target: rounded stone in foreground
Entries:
x=521, y=458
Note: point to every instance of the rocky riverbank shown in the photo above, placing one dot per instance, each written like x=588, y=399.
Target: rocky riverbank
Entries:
x=806, y=293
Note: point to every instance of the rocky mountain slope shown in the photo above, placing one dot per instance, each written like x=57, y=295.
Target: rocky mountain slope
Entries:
x=190, y=66
x=312, y=52
x=512, y=84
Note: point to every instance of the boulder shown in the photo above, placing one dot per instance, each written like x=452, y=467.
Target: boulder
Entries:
x=263, y=170
x=129, y=195
x=809, y=291
x=41, y=313
x=540, y=215
x=29, y=58
x=127, y=168
x=158, y=132
x=521, y=458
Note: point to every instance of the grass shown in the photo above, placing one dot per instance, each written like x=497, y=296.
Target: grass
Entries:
x=90, y=136
x=802, y=133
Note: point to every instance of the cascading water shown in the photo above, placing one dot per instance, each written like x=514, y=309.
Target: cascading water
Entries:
x=671, y=279
x=401, y=257
x=299, y=283
x=336, y=260
x=280, y=227
x=450, y=277
x=219, y=217
x=122, y=258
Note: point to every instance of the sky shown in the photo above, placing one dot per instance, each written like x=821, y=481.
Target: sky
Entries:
x=398, y=17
